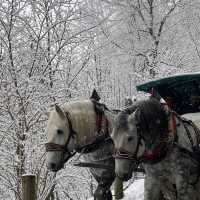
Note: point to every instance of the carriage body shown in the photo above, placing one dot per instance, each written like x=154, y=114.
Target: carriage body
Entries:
x=176, y=90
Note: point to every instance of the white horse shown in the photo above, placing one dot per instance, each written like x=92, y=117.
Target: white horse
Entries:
x=81, y=126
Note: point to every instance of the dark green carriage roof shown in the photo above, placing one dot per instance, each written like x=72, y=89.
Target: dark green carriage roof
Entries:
x=178, y=87
x=169, y=81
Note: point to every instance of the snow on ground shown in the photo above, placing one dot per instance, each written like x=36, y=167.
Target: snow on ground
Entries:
x=135, y=191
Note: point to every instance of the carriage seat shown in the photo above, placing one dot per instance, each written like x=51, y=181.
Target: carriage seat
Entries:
x=194, y=117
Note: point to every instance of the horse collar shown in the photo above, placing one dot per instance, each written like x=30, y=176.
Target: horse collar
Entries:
x=159, y=152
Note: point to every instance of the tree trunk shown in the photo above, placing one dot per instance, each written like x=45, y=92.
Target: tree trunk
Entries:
x=28, y=187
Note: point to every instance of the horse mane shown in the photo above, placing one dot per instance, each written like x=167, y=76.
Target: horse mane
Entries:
x=121, y=121
x=83, y=116
x=151, y=116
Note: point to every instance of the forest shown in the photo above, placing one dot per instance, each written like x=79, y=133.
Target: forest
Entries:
x=54, y=51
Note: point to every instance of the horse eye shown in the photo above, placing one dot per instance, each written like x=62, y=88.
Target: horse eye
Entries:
x=130, y=138
x=59, y=132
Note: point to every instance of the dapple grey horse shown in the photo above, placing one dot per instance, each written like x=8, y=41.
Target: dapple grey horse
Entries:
x=81, y=126
x=166, y=144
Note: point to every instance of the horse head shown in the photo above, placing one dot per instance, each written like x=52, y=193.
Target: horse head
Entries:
x=79, y=126
x=60, y=139
x=137, y=132
x=125, y=140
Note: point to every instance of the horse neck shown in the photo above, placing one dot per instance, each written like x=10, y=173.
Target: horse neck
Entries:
x=83, y=119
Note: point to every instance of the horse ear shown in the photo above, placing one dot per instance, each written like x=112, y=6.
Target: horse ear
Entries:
x=128, y=101
x=47, y=113
x=50, y=108
x=59, y=111
x=95, y=95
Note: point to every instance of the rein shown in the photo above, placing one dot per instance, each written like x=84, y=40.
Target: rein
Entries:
x=54, y=147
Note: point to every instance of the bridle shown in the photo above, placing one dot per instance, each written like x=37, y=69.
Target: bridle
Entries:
x=92, y=145
x=152, y=158
x=63, y=148
x=124, y=154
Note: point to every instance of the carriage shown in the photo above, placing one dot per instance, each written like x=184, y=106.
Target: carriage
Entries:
x=176, y=90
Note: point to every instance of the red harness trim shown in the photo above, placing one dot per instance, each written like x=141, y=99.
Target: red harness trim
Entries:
x=155, y=153
x=161, y=149
x=102, y=124
x=99, y=122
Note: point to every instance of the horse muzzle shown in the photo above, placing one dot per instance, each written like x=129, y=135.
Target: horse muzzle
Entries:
x=125, y=176
x=54, y=161
x=124, y=169
x=54, y=167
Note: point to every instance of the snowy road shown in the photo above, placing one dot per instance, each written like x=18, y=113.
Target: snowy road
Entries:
x=135, y=191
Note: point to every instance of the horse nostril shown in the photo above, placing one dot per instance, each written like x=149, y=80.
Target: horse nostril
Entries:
x=53, y=165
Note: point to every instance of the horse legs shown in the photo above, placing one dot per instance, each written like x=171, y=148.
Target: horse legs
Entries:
x=161, y=197
x=152, y=188
x=103, y=190
x=104, y=177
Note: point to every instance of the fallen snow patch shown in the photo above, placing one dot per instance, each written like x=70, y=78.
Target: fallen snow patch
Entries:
x=134, y=191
